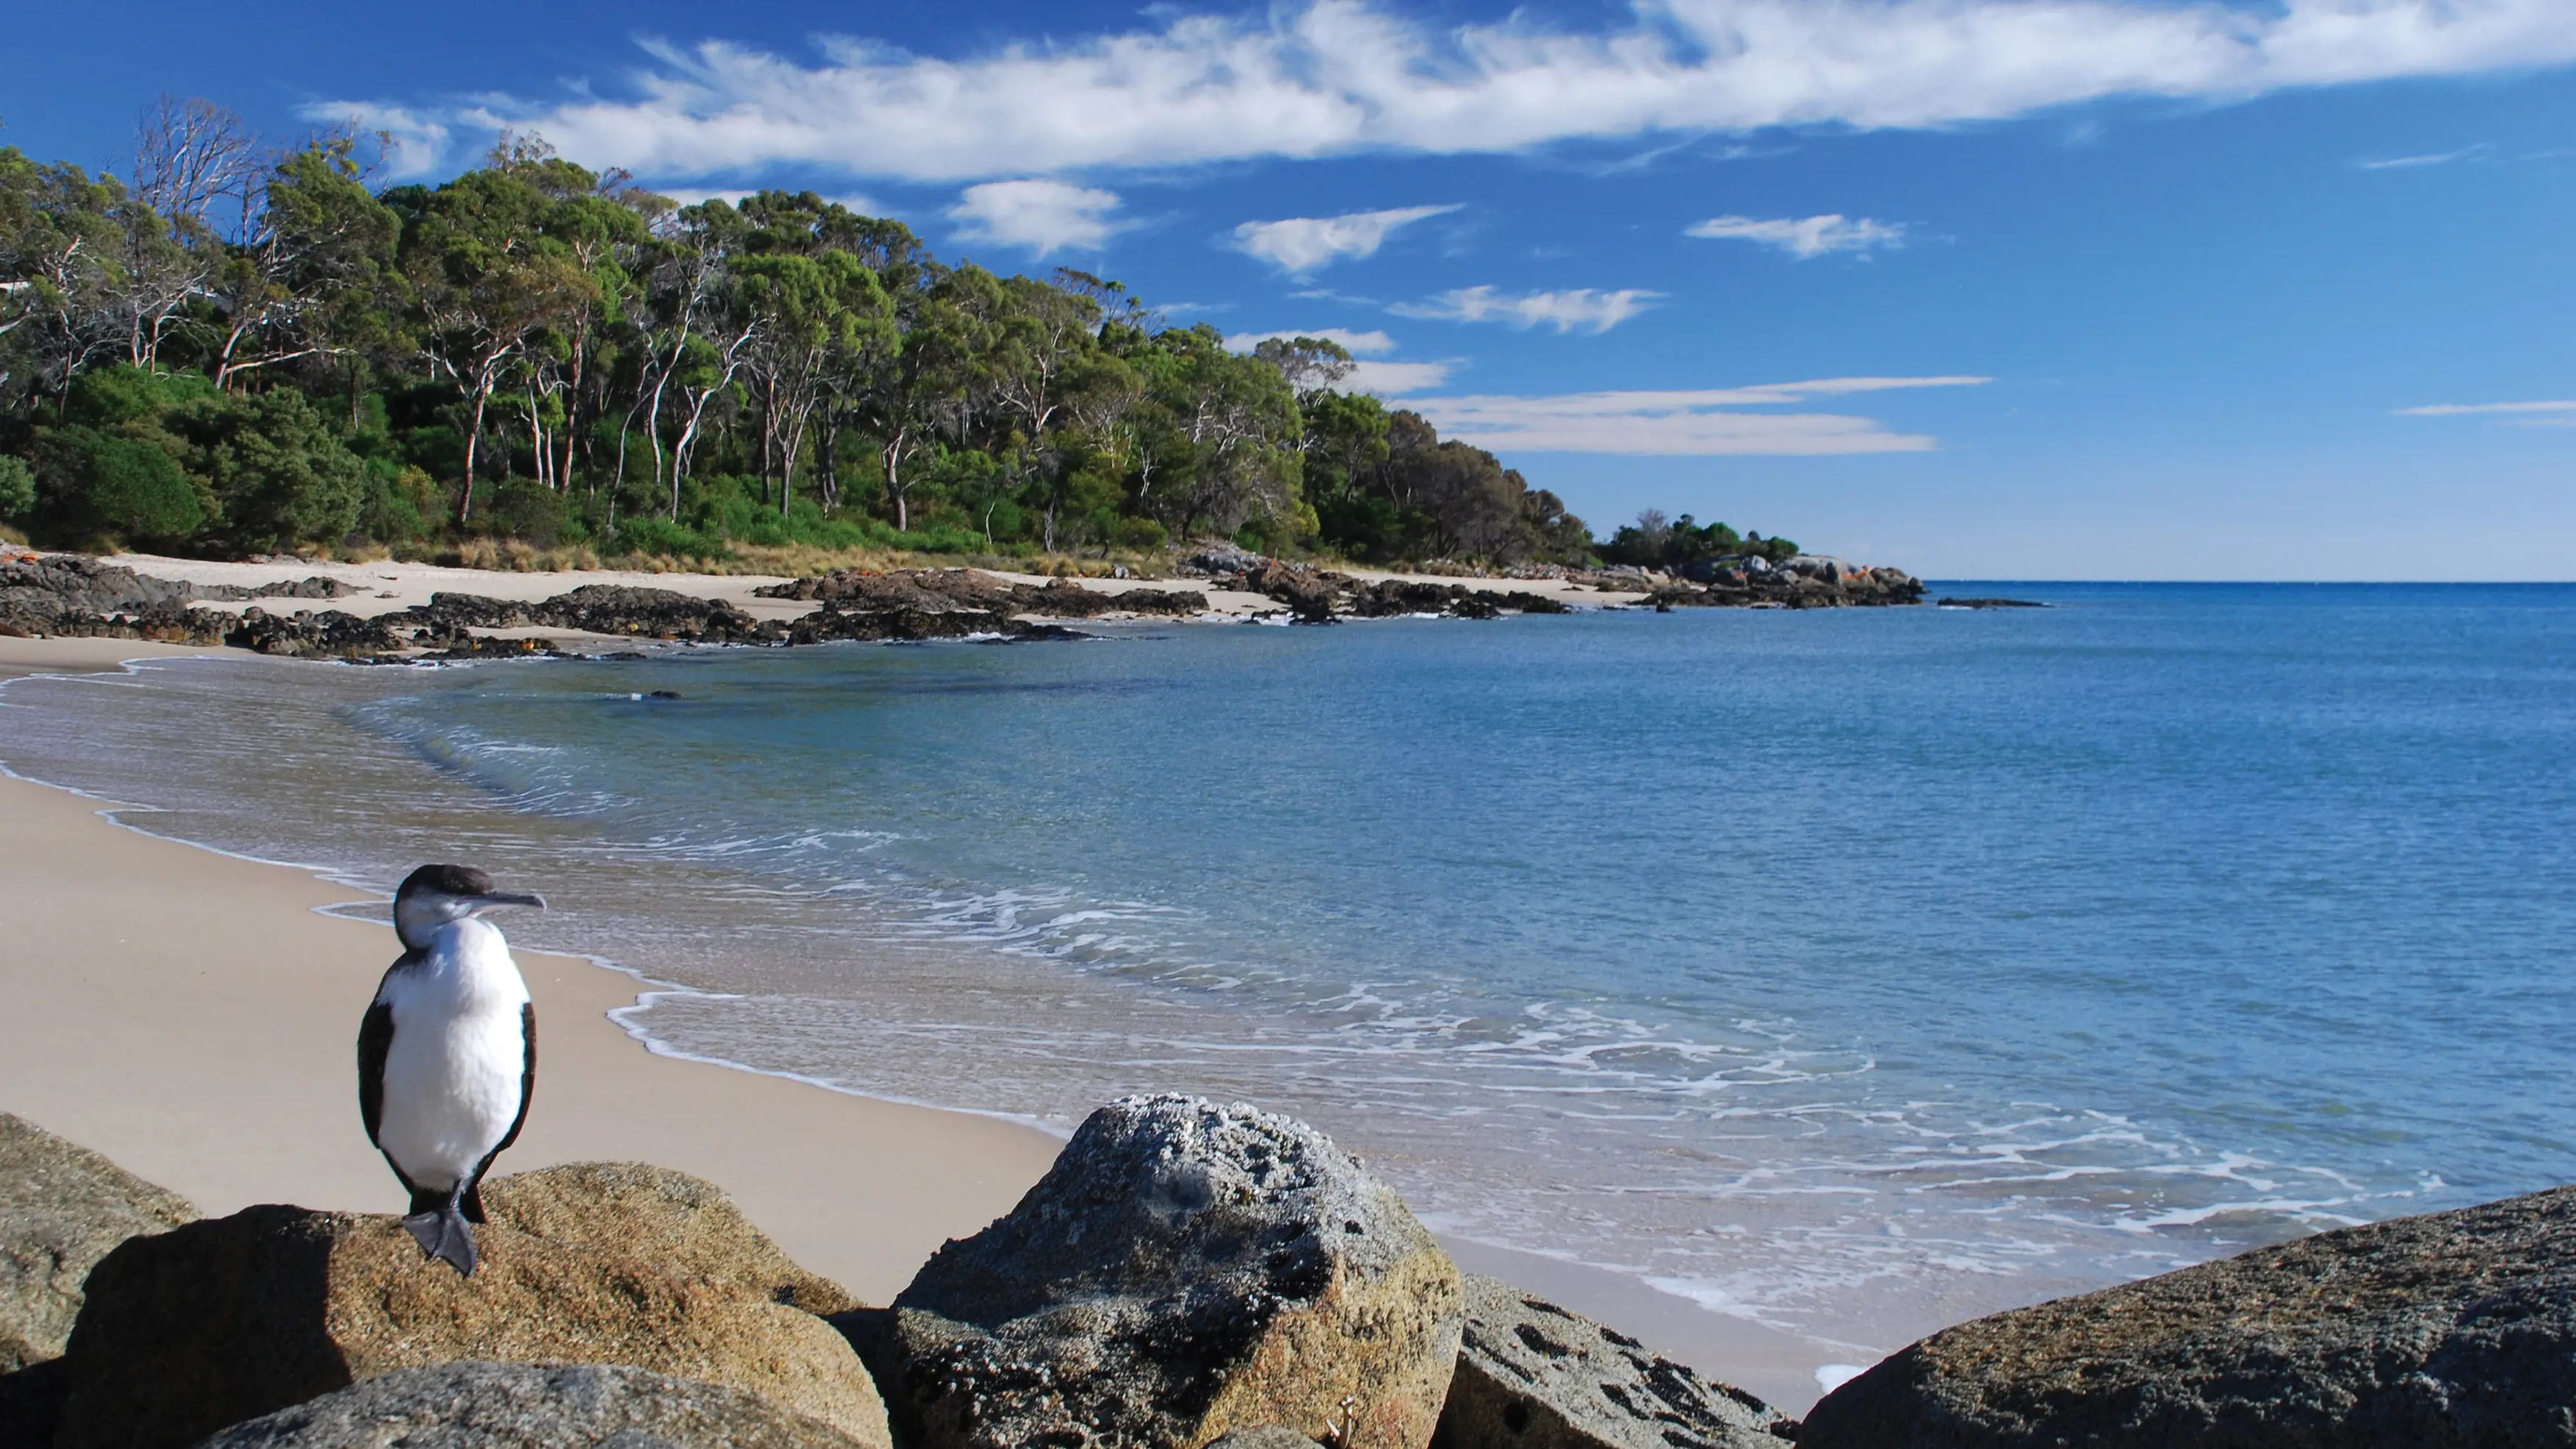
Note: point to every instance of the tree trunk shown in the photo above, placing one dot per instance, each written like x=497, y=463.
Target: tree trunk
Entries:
x=473, y=435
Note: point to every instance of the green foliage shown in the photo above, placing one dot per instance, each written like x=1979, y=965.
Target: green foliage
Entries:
x=537, y=350
x=1654, y=541
x=127, y=487
x=17, y=488
x=280, y=477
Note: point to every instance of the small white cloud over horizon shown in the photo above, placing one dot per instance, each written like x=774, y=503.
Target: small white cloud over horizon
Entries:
x=1586, y=308
x=1371, y=371
x=1805, y=238
x=415, y=143
x=1303, y=245
x=1706, y=422
x=1042, y=216
x=1336, y=77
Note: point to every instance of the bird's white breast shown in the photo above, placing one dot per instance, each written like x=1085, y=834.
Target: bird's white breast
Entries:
x=456, y=1067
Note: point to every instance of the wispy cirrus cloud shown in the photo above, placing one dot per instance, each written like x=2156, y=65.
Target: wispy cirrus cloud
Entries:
x=2437, y=158
x=1688, y=423
x=1042, y=216
x=1303, y=245
x=1332, y=77
x=1581, y=309
x=1804, y=237
x=2557, y=413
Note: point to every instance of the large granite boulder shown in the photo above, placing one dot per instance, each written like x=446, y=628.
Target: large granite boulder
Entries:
x=684, y=1225
x=532, y=1406
x=2454, y=1328
x=1532, y=1375
x=230, y=1318
x=62, y=1207
x=1184, y=1269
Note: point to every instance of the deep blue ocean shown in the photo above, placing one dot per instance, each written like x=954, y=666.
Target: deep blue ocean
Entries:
x=1804, y=964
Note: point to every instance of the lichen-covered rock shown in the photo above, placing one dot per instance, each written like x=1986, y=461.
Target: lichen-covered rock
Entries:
x=1532, y=1375
x=62, y=1207
x=684, y=1225
x=1185, y=1268
x=2454, y=1328
x=227, y=1319
x=532, y=1406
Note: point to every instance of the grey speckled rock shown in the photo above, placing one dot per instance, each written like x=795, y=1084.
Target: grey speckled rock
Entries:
x=1533, y=1376
x=2454, y=1328
x=62, y=1207
x=1268, y=1436
x=532, y=1406
x=1184, y=1268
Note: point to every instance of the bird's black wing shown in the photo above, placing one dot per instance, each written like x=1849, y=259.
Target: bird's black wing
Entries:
x=473, y=1196
x=375, y=1039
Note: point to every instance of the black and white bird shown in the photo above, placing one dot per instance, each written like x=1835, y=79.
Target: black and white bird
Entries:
x=447, y=1056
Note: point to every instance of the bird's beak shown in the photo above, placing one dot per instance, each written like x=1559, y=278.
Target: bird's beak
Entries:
x=498, y=899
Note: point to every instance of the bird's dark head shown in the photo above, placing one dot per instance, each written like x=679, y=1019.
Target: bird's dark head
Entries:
x=435, y=895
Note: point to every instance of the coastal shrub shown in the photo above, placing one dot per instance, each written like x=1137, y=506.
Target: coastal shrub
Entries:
x=654, y=536
x=17, y=488
x=532, y=513
x=280, y=476
x=401, y=502
x=97, y=482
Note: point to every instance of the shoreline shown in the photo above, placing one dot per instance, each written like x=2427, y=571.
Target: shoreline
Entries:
x=244, y=979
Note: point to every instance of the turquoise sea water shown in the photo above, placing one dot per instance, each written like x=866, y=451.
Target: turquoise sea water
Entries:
x=1847, y=970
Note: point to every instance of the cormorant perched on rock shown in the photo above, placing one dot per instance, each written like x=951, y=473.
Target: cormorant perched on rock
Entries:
x=447, y=1056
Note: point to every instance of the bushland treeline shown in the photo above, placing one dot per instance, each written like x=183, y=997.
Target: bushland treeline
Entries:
x=245, y=350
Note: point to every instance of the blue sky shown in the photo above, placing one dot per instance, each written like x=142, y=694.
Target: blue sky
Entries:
x=1984, y=288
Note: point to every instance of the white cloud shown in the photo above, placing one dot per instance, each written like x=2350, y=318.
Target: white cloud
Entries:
x=2439, y=158
x=2525, y=412
x=1583, y=307
x=1358, y=344
x=1302, y=244
x=1337, y=76
x=414, y=143
x=1372, y=371
x=1042, y=216
x=1702, y=422
x=1804, y=237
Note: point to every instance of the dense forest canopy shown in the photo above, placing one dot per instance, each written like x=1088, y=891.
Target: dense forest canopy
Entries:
x=243, y=351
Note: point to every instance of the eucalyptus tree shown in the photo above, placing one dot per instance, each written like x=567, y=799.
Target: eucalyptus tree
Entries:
x=316, y=258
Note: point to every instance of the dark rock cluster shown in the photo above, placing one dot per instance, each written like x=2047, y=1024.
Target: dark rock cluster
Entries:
x=928, y=591
x=1319, y=596
x=1805, y=582
x=68, y=596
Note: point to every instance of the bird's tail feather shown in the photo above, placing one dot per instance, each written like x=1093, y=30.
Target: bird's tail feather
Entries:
x=443, y=1233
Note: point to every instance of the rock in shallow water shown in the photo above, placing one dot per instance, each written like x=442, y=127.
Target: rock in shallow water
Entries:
x=1184, y=1268
x=230, y=1318
x=2453, y=1328
x=62, y=1207
x=532, y=1406
x=1532, y=1375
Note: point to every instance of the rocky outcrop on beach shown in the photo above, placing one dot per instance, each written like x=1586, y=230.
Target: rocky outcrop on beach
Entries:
x=69, y=596
x=226, y=1319
x=1532, y=1375
x=1319, y=596
x=329, y=634
x=1184, y=1269
x=935, y=591
x=533, y=1406
x=2454, y=1328
x=62, y=1208
x=1804, y=582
